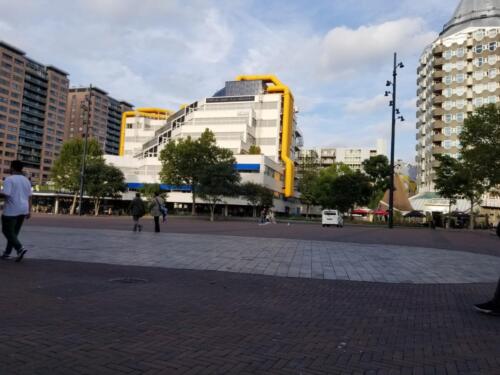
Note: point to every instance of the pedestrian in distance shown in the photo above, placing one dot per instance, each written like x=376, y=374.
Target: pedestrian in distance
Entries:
x=17, y=207
x=157, y=208
x=137, y=210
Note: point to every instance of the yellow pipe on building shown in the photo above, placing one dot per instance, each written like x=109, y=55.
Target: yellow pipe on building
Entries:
x=154, y=113
x=287, y=125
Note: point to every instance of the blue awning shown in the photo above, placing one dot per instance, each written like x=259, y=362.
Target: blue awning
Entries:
x=247, y=167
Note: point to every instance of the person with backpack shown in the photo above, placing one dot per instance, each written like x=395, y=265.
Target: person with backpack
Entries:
x=137, y=210
x=157, y=208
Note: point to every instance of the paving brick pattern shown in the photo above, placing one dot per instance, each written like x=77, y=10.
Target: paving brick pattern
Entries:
x=67, y=318
x=263, y=256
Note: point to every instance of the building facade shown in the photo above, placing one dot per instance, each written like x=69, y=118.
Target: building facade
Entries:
x=251, y=111
x=350, y=156
x=458, y=72
x=33, y=100
x=104, y=117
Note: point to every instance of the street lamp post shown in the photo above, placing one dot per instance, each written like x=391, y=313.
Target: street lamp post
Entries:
x=395, y=111
x=85, y=142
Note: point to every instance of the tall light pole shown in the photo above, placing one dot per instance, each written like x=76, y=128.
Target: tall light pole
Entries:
x=85, y=142
x=395, y=111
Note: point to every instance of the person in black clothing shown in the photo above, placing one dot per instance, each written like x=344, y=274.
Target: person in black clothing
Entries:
x=137, y=210
x=491, y=307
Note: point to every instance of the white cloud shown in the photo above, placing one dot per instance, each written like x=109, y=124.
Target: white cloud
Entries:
x=367, y=106
x=346, y=52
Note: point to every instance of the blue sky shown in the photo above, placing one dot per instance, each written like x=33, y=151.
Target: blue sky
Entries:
x=335, y=55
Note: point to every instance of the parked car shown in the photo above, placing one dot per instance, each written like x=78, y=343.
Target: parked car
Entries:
x=331, y=217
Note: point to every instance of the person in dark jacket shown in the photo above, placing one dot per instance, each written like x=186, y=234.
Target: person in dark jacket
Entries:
x=137, y=210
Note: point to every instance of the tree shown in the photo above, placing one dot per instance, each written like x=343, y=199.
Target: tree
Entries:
x=67, y=167
x=254, y=150
x=468, y=182
x=149, y=190
x=185, y=161
x=379, y=171
x=220, y=179
x=448, y=181
x=102, y=181
x=480, y=141
x=257, y=195
x=308, y=178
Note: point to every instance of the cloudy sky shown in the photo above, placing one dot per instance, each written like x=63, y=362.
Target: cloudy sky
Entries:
x=334, y=54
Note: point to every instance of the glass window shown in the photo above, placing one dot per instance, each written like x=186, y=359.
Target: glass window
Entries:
x=492, y=59
x=479, y=61
x=460, y=52
x=478, y=102
x=479, y=34
x=492, y=99
x=478, y=48
x=447, y=144
x=460, y=65
x=447, y=105
x=447, y=92
x=447, y=67
x=460, y=117
x=447, y=80
x=447, y=131
x=492, y=46
x=447, y=118
x=478, y=75
x=492, y=86
x=492, y=73
x=460, y=91
x=460, y=103
x=447, y=54
x=459, y=78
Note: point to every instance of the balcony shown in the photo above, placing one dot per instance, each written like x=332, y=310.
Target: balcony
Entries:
x=438, y=150
x=34, y=137
x=438, y=99
x=438, y=74
x=438, y=124
x=38, y=98
x=32, y=120
x=470, y=55
x=31, y=128
x=34, y=88
x=438, y=87
x=35, y=81
x=437, y=112
x=22, y=142
x=439, y=62
x=470, y=81
x=438, y=50
x=438, y=137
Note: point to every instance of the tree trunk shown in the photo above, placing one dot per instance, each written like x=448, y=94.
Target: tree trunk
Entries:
x=448, y=222
x=193, y=208
x=96, y=207
x=73, y=205
x=254, y=209
x=471, y=223
x=307, y=211
x=212, y=212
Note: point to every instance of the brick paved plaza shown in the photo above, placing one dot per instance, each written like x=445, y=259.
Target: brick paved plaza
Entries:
x=297, y=299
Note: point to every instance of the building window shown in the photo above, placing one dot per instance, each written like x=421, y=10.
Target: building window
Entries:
x=478, y=48
x=492, y=59
x=447, y=144
x=447, y=131
x=492, y=46
x=459, y=78
x=447, y=118
x=460, y=117
x=460, y=52
x=479, y=34
x=447, y=80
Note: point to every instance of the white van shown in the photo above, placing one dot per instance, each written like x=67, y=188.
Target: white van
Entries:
x=331, y=217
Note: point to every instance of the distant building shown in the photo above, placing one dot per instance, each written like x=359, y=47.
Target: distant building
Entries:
x=105, y=117
x=32, y=112
x=250, y=111
x=458, y=73
x=406, y=169
x=350, y=156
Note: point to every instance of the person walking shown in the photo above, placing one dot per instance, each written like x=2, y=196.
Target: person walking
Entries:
x=137, y=210
x=491, y=307
x=17, y=207
x=157, y=208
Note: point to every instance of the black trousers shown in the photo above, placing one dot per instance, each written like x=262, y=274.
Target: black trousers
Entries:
x=496, y=298
x=11, y=226
x=157, y=223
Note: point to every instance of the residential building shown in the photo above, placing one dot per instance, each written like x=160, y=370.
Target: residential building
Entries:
x=105, y=117
x=350, y=156
x=458, y=72
x=250, y=111
x=404, y=168
x=32, y=112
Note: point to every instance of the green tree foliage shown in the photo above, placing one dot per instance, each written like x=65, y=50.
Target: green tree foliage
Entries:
x=257, y=195
x=66, y=169
x=379, y=171
x=102, y=181
x=220, y=179
x=149, y=190
x=343, y=191
x=308, y=178
x=185, y=161
x=254, y=150
x=480, y=141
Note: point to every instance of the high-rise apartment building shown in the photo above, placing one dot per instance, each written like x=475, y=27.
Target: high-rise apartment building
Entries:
x=32, y=112
x=458, y=72
x=105, y=117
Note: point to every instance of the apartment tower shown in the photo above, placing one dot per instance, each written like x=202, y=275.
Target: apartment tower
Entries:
x=32, y=112
x=458, y=72
x=105, y=117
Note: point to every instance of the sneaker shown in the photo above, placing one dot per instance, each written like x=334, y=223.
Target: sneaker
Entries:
x=5, y=256
x=21, y=254
x=490, y=308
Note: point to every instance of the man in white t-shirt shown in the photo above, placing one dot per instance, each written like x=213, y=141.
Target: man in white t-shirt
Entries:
x=17, y=206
